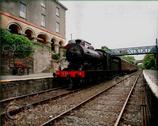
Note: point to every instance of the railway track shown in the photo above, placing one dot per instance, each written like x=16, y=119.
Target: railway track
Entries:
x=31, y=100
x=58, y=106
x=54, y=121
x=137, y=111
x=126, y=102
x=24, y=96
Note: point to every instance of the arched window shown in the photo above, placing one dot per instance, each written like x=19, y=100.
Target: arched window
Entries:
x=29, y=34
x=60, y=43
x=42, y=38
x=53, y=44
x=14, y=28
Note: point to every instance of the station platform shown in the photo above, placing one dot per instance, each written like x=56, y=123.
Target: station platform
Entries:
x=13, y=85
x=151, y=77
x=8, y=78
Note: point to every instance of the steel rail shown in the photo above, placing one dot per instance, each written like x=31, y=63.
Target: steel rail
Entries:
x=125, y=103
x=52, y=120
x=23, y=107
x=145, y=109
x=27, y=95
x=31, y=94
x=75, y=107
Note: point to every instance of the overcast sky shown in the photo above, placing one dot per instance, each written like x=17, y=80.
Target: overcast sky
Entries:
x=115, y=24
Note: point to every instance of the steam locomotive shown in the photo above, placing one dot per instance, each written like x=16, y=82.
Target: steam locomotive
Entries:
x=88, y=65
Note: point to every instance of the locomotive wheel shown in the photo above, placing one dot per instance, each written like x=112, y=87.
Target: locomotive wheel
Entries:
x=70, y=84
x=81, y=82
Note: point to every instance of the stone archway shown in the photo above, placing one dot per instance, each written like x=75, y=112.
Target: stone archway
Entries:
x=15, y=28
x=61, y=43
x=53, y=44
x=29, y=34
x=42, y=38
x=61, y=48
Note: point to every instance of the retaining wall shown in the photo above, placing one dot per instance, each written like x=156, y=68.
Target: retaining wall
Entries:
x=22, y=87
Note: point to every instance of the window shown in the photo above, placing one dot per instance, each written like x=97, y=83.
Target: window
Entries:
x=57, y=12
x=22, y=9
x=57, y=27
x=43, y=4
x=43, y=11
x=43, y=21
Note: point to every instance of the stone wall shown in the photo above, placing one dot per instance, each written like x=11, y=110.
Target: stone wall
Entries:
x=59, y=64
x=22, y=87
x=42, y=59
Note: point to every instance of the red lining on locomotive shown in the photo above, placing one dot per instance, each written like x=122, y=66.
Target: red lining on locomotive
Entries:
x=71, y=74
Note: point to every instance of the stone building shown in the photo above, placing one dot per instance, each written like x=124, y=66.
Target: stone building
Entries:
x=42, y=21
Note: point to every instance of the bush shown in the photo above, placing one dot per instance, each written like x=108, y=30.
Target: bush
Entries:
x=19, y=45
x=56, y=56
x=149, y=61
x=130, y=59
x=106, y=49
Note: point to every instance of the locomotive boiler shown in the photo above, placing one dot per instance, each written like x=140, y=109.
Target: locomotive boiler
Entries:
x=87, y=65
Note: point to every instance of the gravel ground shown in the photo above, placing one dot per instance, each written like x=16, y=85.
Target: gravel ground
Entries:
x=31, y=99
x=41, y=113
x=103, y=110
x=133, y=114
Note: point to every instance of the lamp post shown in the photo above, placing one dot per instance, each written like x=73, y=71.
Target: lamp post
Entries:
x=156, y=54
x=71, y=36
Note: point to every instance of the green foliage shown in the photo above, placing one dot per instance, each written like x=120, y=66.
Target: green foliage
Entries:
x=19, y=45
x=149, y=61
x=140, y=66
x=56, y=56
x=7, y=1
x=64, y=53
x=106, y=49
x=130, y=59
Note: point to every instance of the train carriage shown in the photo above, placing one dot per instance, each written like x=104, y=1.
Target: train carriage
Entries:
x=128, y=67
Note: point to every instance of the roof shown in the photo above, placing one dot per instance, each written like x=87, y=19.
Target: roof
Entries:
x=61, y=4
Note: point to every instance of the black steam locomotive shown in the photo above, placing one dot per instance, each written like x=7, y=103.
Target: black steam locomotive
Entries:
x=87, y=65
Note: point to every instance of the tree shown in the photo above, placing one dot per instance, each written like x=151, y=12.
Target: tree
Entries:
x=12, y=46
x=106, y=49
x=149, y=61
x=20, y=46
x=56, y=56
x=130, y=59
x=140, y=66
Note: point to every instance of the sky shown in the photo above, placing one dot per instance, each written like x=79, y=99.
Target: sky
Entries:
x=115, y=24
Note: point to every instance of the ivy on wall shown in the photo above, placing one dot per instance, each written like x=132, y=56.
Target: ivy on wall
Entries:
x=38, y=45
x=56, y=56
x=18, y=45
